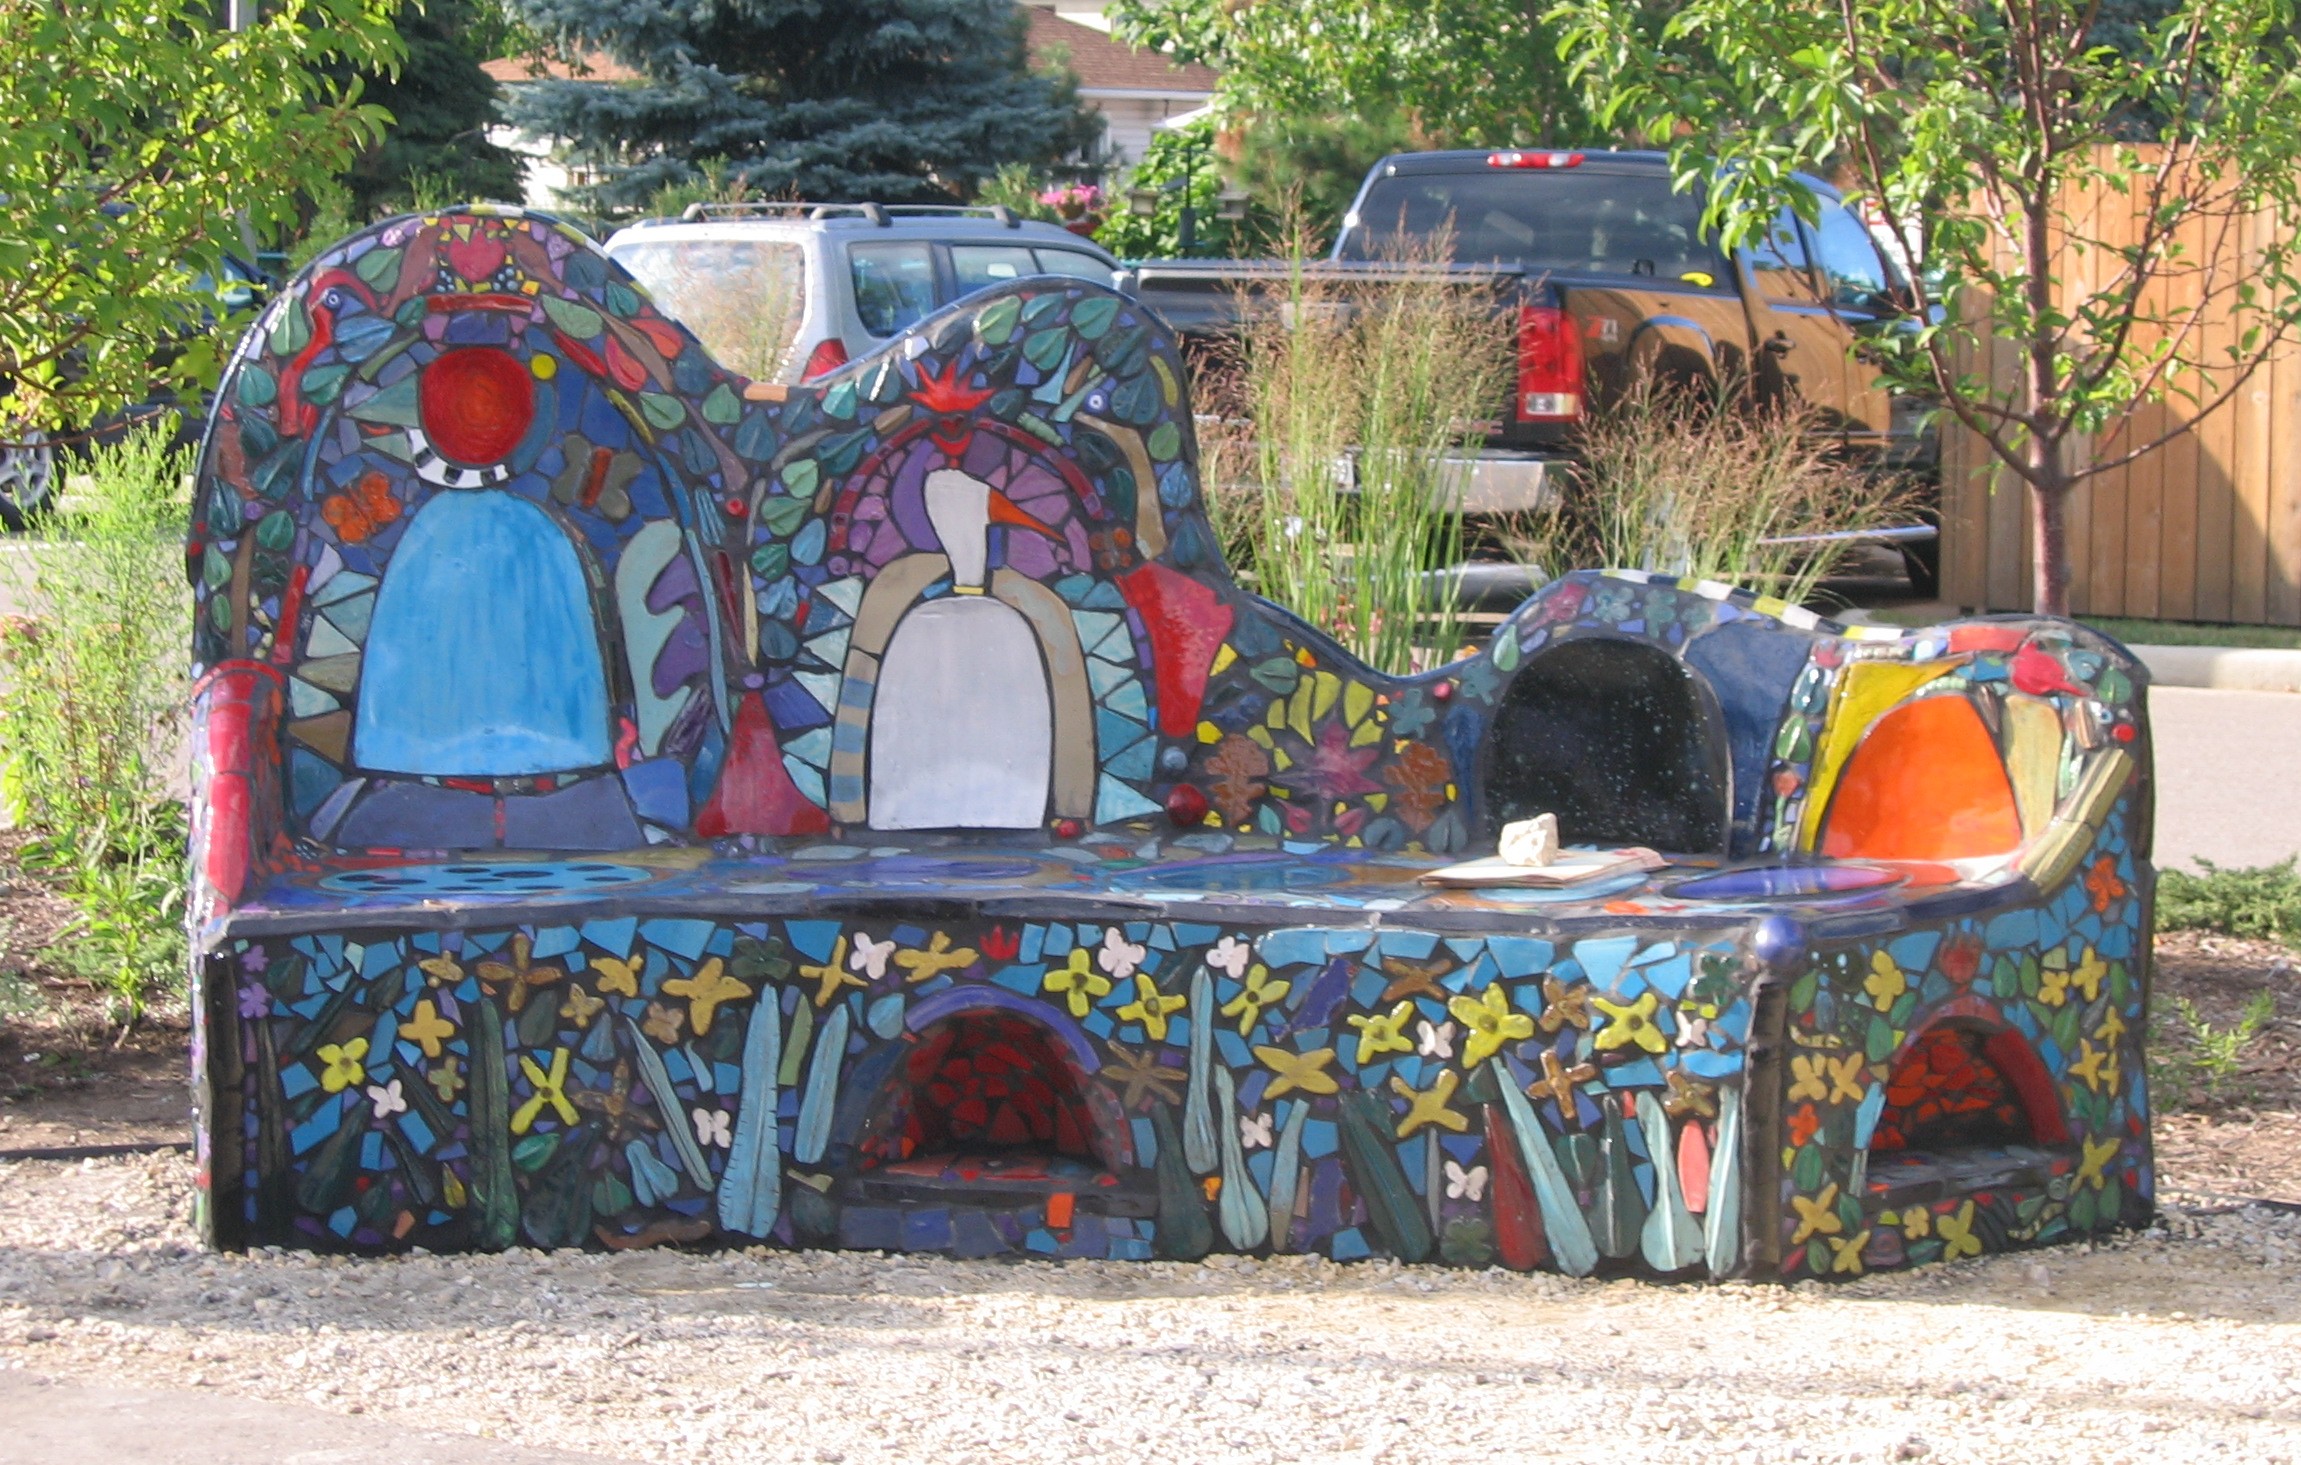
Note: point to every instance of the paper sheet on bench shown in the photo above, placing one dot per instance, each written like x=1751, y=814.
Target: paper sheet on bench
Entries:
x=1572, y=867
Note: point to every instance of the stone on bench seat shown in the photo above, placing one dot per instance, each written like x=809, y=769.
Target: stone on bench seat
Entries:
x=638, y=805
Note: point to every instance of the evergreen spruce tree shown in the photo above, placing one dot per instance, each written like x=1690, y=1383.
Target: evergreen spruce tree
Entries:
x=896, y=100
x=442, y=104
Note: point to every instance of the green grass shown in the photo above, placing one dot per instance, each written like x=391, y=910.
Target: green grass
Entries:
x=2263, y=902
x=2187, y=633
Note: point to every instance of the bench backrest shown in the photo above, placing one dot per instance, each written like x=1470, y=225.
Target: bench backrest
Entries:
x=537, y=573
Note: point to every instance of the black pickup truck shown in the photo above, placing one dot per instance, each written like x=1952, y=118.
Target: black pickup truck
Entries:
x=1610, y=276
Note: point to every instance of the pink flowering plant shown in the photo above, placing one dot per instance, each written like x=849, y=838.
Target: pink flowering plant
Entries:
x=1074, y=200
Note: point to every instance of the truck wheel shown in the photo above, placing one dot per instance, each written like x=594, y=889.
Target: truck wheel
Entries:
x=27, y=475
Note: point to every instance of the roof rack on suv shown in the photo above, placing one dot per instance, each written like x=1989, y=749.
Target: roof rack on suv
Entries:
x=877, y=214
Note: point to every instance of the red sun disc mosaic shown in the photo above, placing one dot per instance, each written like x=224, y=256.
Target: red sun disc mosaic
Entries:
x=477, y=404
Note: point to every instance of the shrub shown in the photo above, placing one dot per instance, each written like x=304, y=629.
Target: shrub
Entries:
x=1022, y=188
x=2262, y=902
x=1692, y=482
x=92, y=712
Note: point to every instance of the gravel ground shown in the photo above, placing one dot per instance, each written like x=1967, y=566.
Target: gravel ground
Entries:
x=2178, y=1344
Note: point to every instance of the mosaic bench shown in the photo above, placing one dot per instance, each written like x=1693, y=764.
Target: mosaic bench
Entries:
x=639, y=805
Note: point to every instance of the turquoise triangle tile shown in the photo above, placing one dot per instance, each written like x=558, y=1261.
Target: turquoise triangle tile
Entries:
x=306, y=700
x=808, y=778
x=1104, y=593
x=353, y=613
x=832, y=646
x=823, y=686
x=1127, y=700
x=1133, y=761
x=326, y=640
x=344, y=586
x=845, y=593
x=1603, y=958
x=812, y=746
x=1118, y=645
x=1115, y=801
x=1115, y=731
x=1095, y=626
x=1102, y=676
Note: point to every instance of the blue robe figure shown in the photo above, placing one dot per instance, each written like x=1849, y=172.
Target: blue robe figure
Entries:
x=484, y=659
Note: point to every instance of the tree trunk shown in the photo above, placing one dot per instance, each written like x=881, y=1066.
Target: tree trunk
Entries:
x=2049, y=490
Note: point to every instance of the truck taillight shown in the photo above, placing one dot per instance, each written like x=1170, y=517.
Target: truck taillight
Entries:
x=1549, y=365
x=828, y=356
x=1520, y=158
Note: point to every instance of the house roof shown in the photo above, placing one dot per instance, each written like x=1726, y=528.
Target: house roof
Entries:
x=597, y=66
x=1105, y=65
x=1100, y=63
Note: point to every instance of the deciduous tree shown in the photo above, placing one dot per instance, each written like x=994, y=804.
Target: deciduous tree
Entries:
x=137, y=138
x=1985, y=133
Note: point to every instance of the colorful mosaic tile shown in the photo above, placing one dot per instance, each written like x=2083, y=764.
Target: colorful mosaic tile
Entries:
x=637, y=805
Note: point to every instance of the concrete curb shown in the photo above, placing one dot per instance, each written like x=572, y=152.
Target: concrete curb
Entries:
x=2222, y=668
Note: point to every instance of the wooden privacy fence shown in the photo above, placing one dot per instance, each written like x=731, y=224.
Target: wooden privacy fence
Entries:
x=2204, y=528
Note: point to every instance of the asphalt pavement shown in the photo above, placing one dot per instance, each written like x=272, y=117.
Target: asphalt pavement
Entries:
x=2228, y=776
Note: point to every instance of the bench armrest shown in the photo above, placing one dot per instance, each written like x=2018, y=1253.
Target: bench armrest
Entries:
x=237, y=805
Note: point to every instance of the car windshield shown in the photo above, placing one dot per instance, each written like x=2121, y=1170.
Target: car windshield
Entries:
x=743, y=298
x=1568, y=220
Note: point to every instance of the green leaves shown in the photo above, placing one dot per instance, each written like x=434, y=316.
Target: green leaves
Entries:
x=2057, y=216
x=133, y=138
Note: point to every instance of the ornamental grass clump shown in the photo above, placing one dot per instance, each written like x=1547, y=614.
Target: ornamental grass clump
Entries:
x=1697, y=482
x=1338, y=473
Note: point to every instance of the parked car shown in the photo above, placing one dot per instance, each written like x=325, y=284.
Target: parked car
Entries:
x=1610, y=276
x=784, y=292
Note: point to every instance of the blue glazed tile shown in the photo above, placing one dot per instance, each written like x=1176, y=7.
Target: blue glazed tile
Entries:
x=973, y=1235
x=1367, y=989
x=1295, y=947
x=812, y=938
x=314, y=1130
x=1603, y=957
x=1638, y=1073
x=1519, y=956
x=1411, y=945
x=686, y=938
x=1671, y=978
x=1348, y=1245
x=871, y=1228
x=927, y=1230
x=554, y=941
x=2013, y=929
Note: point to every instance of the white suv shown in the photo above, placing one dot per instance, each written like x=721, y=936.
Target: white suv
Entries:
x=783, y=292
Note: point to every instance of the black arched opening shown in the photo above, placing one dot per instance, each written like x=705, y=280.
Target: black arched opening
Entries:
x=1618, y=740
